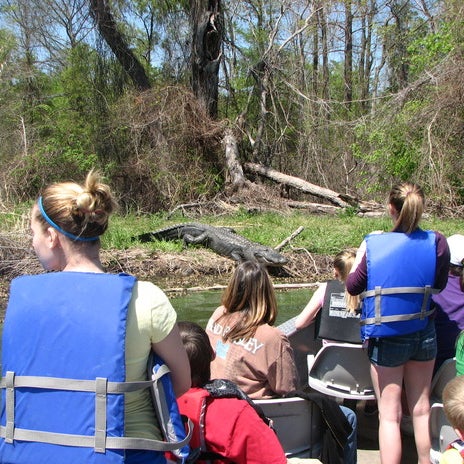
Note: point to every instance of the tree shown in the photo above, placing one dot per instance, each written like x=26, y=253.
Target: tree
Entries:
x=348, y=69
x=109, y=30
x=207, y=35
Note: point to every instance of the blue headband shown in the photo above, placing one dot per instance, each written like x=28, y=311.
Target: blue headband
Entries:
x=59, y=229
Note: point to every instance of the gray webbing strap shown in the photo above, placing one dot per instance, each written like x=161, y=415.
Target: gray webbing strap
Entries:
x=377, y=293
x=88, y=441
x=397, y=317
x=57, y=383
x=10, y=407
x=399, y=290
x=425, y=300
x=100, y=414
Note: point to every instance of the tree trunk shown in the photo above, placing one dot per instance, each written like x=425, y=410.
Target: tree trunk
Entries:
x=237, y=178
x=300, y=184
x=325, y=53
x=207, y=33
x=108, y=29
x=348, y=66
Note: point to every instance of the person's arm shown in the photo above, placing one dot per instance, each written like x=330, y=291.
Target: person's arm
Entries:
x=311, y=309
x=443, y=260
x=173, y=353
x=282, y=373
x=357, y=280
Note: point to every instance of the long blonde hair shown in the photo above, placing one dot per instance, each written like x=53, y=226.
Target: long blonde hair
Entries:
x=81, y=211
x=408, y=200
x=250, y=292
x=343, y=262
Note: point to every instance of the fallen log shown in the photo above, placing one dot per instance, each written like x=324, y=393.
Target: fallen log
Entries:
x=313, y=207
x=341, y=200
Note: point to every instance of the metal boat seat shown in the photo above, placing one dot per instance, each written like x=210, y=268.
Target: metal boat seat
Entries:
x=441, y=432
x=444, y=374
x=341, y=370
x=303, y=342
x=297, y=423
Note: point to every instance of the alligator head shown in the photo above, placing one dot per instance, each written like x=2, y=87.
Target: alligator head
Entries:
x=268, y=256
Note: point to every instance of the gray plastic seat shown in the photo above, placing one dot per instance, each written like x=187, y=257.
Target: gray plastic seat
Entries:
x=341, y=370
x=297, y=423
x=303, y=342
x=441, y=432
x=444, y=374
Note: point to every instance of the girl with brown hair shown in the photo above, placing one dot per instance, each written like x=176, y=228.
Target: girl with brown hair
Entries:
x=249, y=350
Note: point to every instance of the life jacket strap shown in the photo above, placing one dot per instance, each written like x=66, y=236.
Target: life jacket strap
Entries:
x=10, y=406
x=377, y=293
x=57, y=383
x=101, y=387
x=88, y=441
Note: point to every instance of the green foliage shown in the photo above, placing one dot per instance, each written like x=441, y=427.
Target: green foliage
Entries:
x=425, y=52
x=393, y=150
x=52, y=163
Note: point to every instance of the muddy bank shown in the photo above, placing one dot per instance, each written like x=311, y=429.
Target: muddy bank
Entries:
x=184, y=270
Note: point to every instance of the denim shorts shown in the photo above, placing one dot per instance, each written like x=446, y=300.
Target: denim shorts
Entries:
x=395, y=351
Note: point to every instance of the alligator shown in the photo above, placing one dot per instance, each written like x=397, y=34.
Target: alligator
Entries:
x=222, y=240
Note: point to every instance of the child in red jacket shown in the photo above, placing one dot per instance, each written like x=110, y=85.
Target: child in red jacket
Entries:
x=227, y=428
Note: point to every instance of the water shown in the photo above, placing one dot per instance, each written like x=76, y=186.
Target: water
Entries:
x=198, y=306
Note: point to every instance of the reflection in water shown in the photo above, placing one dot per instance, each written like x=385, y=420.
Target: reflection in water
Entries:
x=198, y=306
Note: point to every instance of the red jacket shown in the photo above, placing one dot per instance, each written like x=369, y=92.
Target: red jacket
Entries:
x=230, y=427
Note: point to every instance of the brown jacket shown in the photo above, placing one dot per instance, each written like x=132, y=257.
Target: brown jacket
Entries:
x=262, y=366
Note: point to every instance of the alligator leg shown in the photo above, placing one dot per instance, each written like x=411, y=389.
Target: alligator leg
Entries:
x=202, y=238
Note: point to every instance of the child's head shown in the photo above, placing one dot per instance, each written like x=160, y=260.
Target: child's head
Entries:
x=199, y=352
x=343, y=262
x=453, y=403
x=251, y=293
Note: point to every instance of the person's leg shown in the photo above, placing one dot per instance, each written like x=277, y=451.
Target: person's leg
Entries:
x=350, y=451
x=388, y=382
x=417, y=380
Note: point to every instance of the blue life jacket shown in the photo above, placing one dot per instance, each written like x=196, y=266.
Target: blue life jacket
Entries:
x=400, y=276
x=63, y=372
x=167, y=409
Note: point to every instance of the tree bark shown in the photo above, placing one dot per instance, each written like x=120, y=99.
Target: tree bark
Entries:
x=207, y=34
x=300, y=184
x=348, y=65
x=237, y=178
x=108, y=29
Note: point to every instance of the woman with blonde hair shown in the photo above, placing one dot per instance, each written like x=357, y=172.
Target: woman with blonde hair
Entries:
x=77, y=335
x=322, y=299
x=396, y=273
x=249, y=350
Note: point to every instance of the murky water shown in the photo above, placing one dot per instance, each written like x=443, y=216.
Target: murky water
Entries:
x=198, y=306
